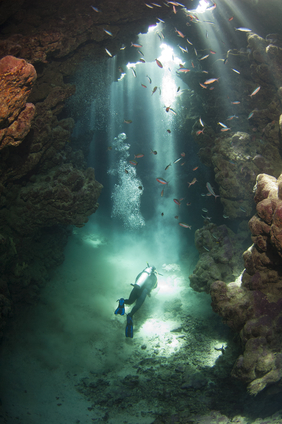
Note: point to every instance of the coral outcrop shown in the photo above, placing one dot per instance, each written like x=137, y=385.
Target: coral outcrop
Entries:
x=254, y=307
x=16, y=80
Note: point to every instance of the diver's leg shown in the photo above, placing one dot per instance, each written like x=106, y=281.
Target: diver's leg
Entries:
x=139, y=302
x=133, y=295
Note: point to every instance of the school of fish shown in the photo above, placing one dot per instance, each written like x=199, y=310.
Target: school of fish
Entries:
x=184, y=69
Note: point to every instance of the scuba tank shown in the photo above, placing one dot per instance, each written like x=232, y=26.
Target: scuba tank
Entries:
x=147, y=278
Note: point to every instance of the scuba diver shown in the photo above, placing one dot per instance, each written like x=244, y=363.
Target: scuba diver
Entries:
x=144, y=283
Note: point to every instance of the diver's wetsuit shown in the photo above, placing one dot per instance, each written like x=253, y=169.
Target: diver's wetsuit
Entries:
x=141, y=289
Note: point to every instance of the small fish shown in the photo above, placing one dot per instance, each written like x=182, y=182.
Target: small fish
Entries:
x=255, y=91
x=207, y=34
x=225, y=129
x=160, y=65
x=123, y=47
x=138, y=156
x=167, y=166
x=211, y=80
x=195, y=169
x=223, y=125
x=176, y=217
x=141, y=53
x=179, y=33
x=169, y=131
x=189, y=42
x=140, y=187
x=243, y=29
x=126, y=171
x=202, y=85
x=177, y=160
x=107, y=32
x=182, y=224
x=235, y=70
x=210, y=8
x=149, y=6
x=225, y=216
x=212, y=52
x=156, y=4
x=196, y=53
x=178, y=89
x=149, y=79
x=154, y=152
x=143, y=85
x=250, y=115
x=177, y=202
x=133, y=162
x=162, y=181
x=95, y=9
x=183, y=50
x=162, y=214
x=206, y=248
x=120, y=70
x=133, y=72
x=162, y=192
x=205, y=210
x=138, y=46
x=231, y=117
x=236, y=102
x=160, y=20
x=108, y=52
x=201, y=122
x=204, y=57
x=230, y=19
x=154, y=90
x=192, y=182
x=185, y=70
x=242, y=209
x=142, y=60
x=127, y=121
x=200, y=132
x=182, y=154
x=188, y=203
x=211, y=191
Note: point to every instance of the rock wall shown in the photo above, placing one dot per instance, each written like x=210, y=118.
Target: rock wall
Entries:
x=44, y=182
x=254, y=307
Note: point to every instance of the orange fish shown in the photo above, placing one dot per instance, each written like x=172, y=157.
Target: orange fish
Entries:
x=182, y=154
x=179, y=33
x=199, y=132
x=193, y=66
x=195, y=169
x=160, y=65
x=230, y=19
x=162, y=193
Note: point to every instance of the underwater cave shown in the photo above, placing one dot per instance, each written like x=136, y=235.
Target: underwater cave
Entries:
x=140, y=212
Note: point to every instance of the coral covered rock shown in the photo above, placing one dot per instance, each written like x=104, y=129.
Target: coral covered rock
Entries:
x=16, y=81
x=220, y=258
x=254, y=308
x=64, y=196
